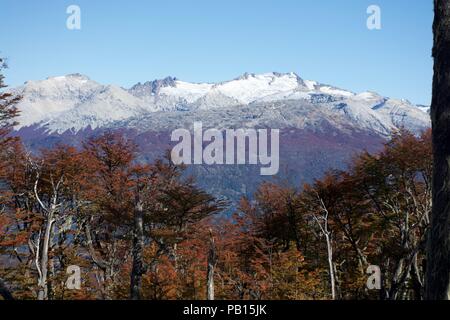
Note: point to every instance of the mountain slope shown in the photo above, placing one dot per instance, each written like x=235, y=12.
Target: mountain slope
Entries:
x=75, y=102
x=321, y=126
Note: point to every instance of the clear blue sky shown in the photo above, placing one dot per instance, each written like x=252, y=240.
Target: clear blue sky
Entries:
x=124, y=42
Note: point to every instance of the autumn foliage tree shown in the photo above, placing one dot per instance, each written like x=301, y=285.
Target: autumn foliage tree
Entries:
x=149, y=206
x=375, y=213
x=8, y=112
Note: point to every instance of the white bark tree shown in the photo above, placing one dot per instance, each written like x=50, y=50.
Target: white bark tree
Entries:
x=322, y=222
x=42, y=242
x=212, y=261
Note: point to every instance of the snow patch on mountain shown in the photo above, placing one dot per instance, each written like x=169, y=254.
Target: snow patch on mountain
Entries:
x=75, y=102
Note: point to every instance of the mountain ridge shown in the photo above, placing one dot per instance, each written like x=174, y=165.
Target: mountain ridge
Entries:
x=75, y=102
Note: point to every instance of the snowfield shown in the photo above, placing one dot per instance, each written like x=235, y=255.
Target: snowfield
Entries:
x=75, y=102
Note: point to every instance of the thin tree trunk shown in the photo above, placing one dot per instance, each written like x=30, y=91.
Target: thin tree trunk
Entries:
x=416, y=279
x=293, y=225
x=138, y=248
x=327, y=233
x=438, y=250
x=90, y=244
x=42, y=284
x=331, y=266
x=212, y=260
x=396, y=280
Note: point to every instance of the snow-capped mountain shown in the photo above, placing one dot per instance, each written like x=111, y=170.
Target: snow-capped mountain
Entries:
x=75, y=102
x=321, y=126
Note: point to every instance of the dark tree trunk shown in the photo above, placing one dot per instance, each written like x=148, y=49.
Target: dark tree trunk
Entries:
x=138, y=247
x=293, y=224
x=4, y=292
x=438, y=251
